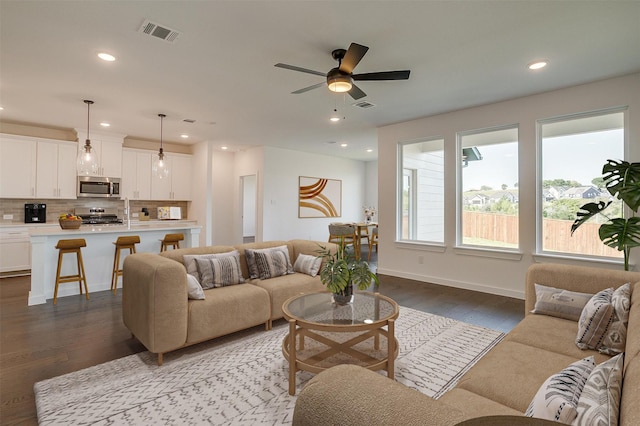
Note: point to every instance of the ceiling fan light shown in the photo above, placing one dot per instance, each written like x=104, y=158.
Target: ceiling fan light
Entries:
x=340, y=84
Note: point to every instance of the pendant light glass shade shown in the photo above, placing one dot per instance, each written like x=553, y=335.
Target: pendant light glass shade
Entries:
x=87, y=161
x=160, y=168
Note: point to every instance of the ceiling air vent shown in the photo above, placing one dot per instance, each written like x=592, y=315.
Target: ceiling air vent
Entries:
x=159, y=31
x=363, y=104
x=189, y=120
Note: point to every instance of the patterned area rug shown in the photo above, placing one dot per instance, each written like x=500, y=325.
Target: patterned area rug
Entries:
x=243, y=379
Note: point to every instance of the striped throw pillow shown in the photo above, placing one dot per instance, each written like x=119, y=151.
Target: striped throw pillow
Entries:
x=616, y=336
x=219, y=272
x=273, y=263
x=599, y=403
x=557, y=399
x=252, y=266
x=595, y=320
x=307, y=264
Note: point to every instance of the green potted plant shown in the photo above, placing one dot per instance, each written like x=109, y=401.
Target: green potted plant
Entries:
x=622, y=180
x=341, y=271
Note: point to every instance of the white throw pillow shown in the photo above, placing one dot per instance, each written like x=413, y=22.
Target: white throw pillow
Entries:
x=557, y=398
x=307, y=264
x=194, y=289
x=557, y=302
x=599, y=403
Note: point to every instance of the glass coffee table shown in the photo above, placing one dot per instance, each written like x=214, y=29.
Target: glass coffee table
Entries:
x=327, y=334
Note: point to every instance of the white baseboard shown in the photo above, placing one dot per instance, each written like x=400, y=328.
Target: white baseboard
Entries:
x=517, y=294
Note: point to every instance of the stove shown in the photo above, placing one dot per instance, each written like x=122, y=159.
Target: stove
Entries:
x=99, y=216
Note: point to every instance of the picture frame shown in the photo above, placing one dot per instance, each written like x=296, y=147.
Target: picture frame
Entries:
x=319, y=197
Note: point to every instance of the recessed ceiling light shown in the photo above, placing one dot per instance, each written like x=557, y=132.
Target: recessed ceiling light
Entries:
x=106, y=57
x=1, y=108
x=105, y=124
x=334, y=119
x=184, y=136
x=224, y=147
x=344, y=145
x=369, y=150
x=538, y=64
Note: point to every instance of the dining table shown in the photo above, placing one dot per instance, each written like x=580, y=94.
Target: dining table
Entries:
x=360, y=228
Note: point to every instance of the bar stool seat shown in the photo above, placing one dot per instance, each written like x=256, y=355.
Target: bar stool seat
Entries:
x=122, y=243
x=65, y=247
x=171, y=240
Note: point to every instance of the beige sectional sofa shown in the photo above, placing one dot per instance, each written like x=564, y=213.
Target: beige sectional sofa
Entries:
x=502, y=383
x=159, y=314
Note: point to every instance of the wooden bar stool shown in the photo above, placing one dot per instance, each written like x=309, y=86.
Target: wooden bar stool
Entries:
x=171, y=240
x=122, y=243
x=71, y=246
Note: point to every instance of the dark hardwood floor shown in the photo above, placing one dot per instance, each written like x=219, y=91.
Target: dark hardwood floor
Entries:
x=44, y=341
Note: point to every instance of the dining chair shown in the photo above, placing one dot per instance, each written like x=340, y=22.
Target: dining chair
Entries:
x=373, y=241
x=344, y=235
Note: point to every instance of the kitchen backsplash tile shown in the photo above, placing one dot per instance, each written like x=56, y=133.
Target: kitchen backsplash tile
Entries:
x=55, y=207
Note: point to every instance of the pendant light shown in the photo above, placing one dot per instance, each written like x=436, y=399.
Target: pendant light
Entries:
x=160, y=167
x=87, y=162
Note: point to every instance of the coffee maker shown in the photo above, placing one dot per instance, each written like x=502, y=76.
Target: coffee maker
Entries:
x=35, y=213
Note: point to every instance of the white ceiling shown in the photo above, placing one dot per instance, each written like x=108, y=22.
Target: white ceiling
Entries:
x=221, y=72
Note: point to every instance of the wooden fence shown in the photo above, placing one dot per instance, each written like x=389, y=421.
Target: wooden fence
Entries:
x=557, y=233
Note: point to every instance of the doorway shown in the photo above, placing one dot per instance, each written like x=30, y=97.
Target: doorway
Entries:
x=249, y=197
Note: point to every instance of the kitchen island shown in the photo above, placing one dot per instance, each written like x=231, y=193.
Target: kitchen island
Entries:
x=97, y=255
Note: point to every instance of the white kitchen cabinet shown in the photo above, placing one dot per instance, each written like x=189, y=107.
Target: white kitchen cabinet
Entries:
x=56, y=169
x=136, y=175
x=109, y=150
x=15, y=250
x=178, y=185
x=17, y=167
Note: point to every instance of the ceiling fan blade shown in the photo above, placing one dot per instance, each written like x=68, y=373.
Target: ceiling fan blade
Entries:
x=356, y=93
x=294, y=68
x=383, y=75
x=352, y=57
x=306, y=89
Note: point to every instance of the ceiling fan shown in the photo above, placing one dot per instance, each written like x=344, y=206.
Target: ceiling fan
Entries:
x=340, y=79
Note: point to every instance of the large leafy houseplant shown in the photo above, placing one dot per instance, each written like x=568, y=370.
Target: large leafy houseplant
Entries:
x=622, y=180
x=341, y=271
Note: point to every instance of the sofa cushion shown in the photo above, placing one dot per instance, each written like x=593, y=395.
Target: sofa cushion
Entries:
x=616, y=335
x=219, y=272
x=595, y=320
x=599, y=402
x=551, y=334
x=226, y=310
x=194, y=289
x=511, y=373
x=559, y=303
x=629, y=407
x=475, y=405
x=307, y=264
x=557, y=398
x=282, y=288
x=272, y=263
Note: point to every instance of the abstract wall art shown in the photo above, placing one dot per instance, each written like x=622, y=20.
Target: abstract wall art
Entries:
x=319, y=197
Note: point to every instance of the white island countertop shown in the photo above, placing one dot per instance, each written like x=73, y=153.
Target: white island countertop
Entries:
x=98, y=255
x=144, y=226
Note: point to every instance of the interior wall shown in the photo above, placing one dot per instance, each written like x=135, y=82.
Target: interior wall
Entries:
x=223, y=199
x=371, y=185
x=493, y=275
x=280, y=190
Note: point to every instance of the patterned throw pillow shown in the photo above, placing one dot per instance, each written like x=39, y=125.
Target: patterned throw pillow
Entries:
x=599, y=403
x=219, y=272
x=557, y=398
x=307, y=264
x=595, y=320
x=189, y=261
x=250, y=256
x=194, y=289
x=616, y=336
x=557, y=302
x=272, y=264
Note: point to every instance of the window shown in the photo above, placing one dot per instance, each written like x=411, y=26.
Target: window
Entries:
x=488, y=205
x=422, y=196
x=573, y=151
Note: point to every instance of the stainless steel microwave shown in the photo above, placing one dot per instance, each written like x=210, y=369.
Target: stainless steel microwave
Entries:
x=98, y=187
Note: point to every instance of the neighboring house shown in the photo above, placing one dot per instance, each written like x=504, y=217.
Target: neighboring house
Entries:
x=476, y=200
x=581, y=192
x=553, y=193
x=507, y=195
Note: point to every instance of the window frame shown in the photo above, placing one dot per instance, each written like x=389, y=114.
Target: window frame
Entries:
x=540, y=254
